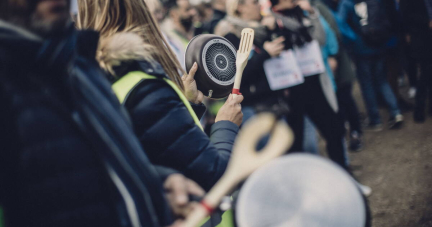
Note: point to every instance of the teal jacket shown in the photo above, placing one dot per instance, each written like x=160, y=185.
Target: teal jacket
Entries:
x=330, y=48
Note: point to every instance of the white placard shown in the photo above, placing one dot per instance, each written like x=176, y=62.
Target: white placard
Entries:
x=309, y=59
x=283, y=71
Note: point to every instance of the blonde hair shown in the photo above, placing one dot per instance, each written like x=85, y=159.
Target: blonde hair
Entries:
x=110, y=17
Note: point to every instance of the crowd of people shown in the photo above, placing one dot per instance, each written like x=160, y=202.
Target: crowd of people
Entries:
x=103, y=126
x=377, y=43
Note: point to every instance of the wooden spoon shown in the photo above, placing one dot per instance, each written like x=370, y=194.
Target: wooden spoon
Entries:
x=245, y=47
x=245, y=159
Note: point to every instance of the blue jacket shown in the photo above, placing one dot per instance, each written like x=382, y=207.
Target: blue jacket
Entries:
x=331, y=48
x=168, y=133
x=68, y=155
x=348, y=35
x=355, y=44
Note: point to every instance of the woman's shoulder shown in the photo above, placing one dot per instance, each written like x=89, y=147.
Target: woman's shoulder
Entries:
x=144, y=81
x=152, y=97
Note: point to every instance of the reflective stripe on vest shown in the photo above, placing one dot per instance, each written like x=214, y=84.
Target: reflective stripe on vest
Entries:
x=125, y=85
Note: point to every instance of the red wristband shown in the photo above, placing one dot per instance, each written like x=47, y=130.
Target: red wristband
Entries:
x=236, y=91
x=207, y=207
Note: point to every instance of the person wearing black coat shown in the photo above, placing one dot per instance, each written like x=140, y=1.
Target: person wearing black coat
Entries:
x=68, y=155
x=417, y=23
x=255, y=86
x=165, y=127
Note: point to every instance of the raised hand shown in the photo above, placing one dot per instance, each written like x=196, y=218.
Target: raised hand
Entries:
x=275, y=47
x=191, y=91
x=231, y=110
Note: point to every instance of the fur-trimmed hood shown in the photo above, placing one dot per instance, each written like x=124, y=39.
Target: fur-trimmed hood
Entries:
x=124, y=47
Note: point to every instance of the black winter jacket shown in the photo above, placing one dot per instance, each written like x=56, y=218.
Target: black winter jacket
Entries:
x=170, y=136
x=68, y=156
x=416, y=24
x=161, y=120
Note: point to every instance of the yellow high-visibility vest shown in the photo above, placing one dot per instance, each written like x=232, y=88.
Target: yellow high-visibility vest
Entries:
x=125, y=85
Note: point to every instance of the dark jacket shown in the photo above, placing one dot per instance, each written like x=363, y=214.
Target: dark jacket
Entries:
x=357, y=46
x=68, y=156
x=165, y=127
x=416, y=24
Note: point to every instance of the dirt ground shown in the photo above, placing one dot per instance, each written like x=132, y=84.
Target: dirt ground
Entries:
x=397, y=165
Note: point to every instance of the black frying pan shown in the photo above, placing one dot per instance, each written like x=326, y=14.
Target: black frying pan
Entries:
x=216, y=58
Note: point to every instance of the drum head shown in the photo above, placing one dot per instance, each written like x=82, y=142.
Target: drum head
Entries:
x=300, y=190
x=216, y=58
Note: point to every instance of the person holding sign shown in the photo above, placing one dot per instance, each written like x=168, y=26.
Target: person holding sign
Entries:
x=273, y=57
x=272, y=68
x=280, y=42
x=314, y=98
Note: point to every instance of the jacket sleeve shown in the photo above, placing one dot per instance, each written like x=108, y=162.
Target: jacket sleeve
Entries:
x=223, y=134
x=170, y=137
x=344, y=16
x=332, y=46
x=344, y=10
